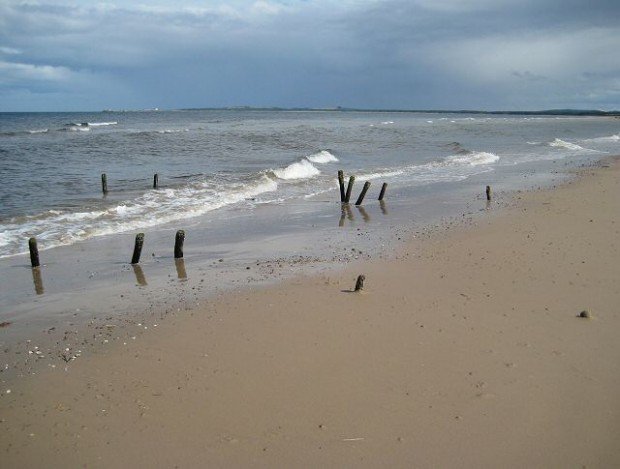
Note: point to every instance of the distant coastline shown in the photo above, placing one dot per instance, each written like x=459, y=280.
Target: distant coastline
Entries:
x=547, y=112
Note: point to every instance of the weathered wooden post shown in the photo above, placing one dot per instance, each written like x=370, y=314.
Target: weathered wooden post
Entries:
x=383, y=189
x=341, y=184
x=347, y=197
x=359, y=285
x=137, y=248
x=360, y=199
x=488, y=192
x=155, y=180
x=178, y=244
x=104, y=183
x=34, y=252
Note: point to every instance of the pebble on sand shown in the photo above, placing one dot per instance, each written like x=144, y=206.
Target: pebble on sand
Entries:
x=585, y=314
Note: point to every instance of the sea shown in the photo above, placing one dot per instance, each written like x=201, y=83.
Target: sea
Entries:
x=256, y=192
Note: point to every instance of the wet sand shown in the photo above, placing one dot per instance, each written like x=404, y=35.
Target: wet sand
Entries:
x=464, y=350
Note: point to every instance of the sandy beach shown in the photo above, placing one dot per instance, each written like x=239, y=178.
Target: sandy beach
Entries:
x=464, y=350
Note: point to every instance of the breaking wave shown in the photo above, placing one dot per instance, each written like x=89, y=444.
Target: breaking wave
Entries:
x=304, y=169
x=59, y=227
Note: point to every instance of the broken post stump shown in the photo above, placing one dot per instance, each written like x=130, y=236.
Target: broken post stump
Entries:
x=104, y=183
x=360, y=199
x=341, y=184
x=155, y=180
x=178, y=244
x=347, y=197
x=34, y=252
x=488, y=192
x=383, y=189
x=359, y=284
x=137, y=248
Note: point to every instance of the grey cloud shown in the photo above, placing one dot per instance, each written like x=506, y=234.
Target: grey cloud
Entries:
x=390, y=53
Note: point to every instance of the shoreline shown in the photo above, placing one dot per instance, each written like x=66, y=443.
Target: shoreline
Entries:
x=463, y=349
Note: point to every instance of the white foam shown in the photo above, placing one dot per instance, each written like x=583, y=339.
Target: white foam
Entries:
x=55, y=228
x=387, y=123
x=101, y=124
x=303, y=169
x=171, y=131
x=322, y=157
x=41, y=131
x=475, y=158
x=381, y=174
x=566, y=145
x=611, y=138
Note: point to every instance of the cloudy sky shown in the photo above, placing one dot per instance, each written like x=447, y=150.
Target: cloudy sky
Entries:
x=402, y=54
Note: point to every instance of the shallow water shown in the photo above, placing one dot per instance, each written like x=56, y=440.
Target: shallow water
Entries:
x=248, y=187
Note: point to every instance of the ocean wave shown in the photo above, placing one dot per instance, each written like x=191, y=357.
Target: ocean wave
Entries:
x=57, y=227
x=386, y=173
x=170, y=131
x=611, y=138
x=101, y=124
x=303, y=169
x=16, y=133
x=474, y=158
x=558, y=143
x=322, y=157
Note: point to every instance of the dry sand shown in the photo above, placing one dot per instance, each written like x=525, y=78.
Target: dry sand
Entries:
x=464, y=351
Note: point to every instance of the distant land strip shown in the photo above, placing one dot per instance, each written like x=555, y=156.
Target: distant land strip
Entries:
x=548, y=112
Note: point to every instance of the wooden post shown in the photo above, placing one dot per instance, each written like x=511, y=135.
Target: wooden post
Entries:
x=360, y=199
x=34, y=252
x=155, y=180
x=488, y=192
x=104, y=183
x=137, y=248
x=341, y=184
x=347, y=197
x=382, y=193
x=178, y=244
x=359, y=285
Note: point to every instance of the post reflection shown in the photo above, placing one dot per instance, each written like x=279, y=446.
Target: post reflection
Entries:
x=180, y=266
x=140, y=278
x=37, y=280
x=364, y=214
x=383, y=207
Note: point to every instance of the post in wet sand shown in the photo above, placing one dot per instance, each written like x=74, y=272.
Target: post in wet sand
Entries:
x=488, y=191
x=341, y=184
x=34, y=252
x=347, y=197
x=137, y=248
x=360, y=199
x=382, y=193
x=104, y=183
x=178, y=244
